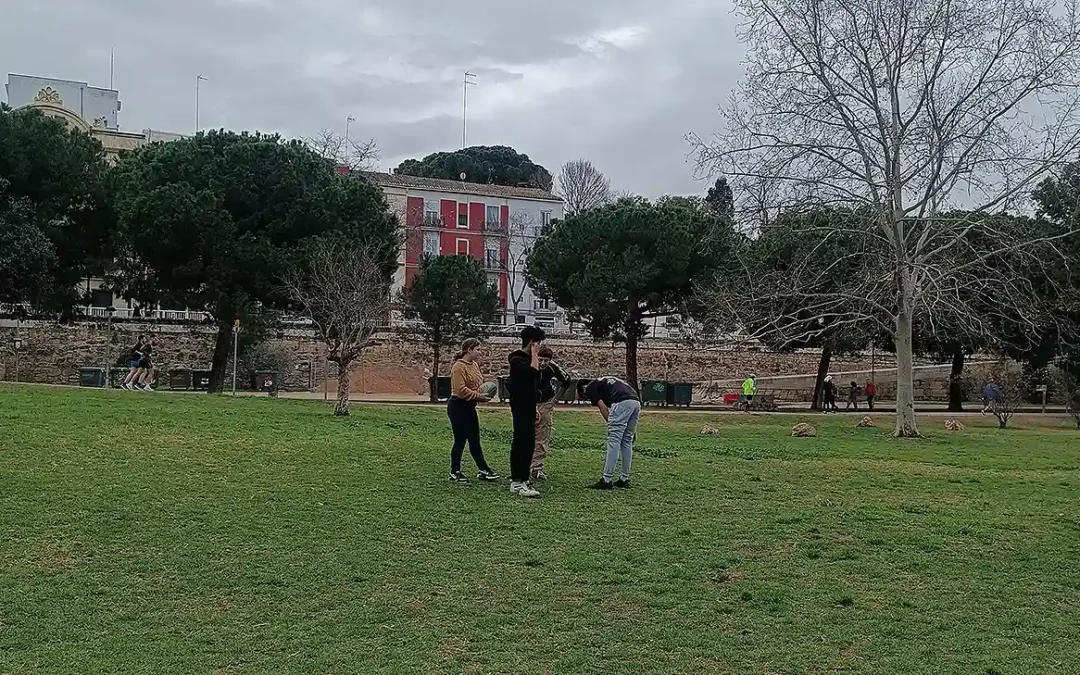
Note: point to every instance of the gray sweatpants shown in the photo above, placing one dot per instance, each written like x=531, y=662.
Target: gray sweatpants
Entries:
x=621, y=427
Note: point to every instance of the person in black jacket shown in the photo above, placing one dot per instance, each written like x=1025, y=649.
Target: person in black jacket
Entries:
x=524, y=388
x=552, y=383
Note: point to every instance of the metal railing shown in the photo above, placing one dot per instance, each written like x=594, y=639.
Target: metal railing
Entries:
x=147, y=314
x=494, y=226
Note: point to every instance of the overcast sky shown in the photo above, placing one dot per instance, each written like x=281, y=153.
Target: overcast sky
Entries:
x=619, y=82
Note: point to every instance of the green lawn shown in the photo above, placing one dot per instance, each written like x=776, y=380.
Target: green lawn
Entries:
x=150, y=533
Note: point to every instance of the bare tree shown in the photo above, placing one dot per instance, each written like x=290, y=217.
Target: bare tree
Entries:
x=357, y=154
x=903, y=111
x=582, y=186
x=521, y=235
x=1011, y=387
x=344, y=292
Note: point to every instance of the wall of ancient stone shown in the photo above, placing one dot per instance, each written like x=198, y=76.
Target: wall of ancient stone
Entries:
x=53, y=354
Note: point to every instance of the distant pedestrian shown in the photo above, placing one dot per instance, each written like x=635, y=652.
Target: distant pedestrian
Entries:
x=828, y=394
x=621, y=408
x=991, y=396
x=134, y=357
x=465, y=382
x=552, y=383
x=146, y=366
x=749, y=390
x=853, y=396
x=871, y=391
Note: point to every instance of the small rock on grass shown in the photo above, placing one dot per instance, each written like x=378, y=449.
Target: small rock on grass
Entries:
x=866, y=423
x=709, y=430
x=803, y=430
x=954, y=425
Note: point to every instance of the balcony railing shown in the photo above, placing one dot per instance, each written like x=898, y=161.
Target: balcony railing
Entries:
x=494, y=226
x=433, y=221
x=148, y=314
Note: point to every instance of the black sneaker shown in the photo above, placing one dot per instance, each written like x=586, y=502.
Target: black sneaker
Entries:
x=602, y=485
x=622, y=484
x=458, y=477
x=488, y=475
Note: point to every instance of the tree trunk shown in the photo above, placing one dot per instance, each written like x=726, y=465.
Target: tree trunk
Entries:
x=956, y=384
x=433, y=388
x=905, y=376
x=341, y=407
x=822, y=371
x=631, y=359
x=220, y=360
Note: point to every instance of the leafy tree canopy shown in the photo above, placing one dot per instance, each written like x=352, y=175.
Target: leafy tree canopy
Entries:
x=721, y=199
x=495, y=164
x=617, y=264
x=214, y=222
x=53, y=210
x=452, y=297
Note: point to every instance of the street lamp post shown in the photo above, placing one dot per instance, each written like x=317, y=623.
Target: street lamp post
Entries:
x=348, y=154
x=465, y=103
x=199, y=79
x=108, y=347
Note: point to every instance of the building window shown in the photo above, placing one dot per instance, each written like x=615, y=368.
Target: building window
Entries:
x=493, y=216
x=463, y=247
x=431, y=243
x=463, y=215
x=520, y=318
x=545, y=218
x=541, y=303
x=431, y=214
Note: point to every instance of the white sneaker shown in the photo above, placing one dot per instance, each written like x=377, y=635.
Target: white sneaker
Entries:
x=524, y=490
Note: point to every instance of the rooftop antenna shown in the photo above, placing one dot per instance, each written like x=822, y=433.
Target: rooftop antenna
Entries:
x=112, y=66
x=465, y=103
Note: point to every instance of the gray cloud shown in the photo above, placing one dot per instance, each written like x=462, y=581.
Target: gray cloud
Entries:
x=617, y=81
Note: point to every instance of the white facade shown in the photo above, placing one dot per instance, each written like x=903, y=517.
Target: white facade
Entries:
x=98, y=107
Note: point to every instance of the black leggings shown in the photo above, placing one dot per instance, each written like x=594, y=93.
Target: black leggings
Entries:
x=466, y=426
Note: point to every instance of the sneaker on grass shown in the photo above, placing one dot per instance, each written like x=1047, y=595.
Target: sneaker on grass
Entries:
x=602, y=485
x=458, y=477
x=524, y=490
x=622, y=484
x=487, y=475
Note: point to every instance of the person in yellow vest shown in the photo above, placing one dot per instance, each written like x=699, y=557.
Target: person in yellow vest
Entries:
x=749, y=389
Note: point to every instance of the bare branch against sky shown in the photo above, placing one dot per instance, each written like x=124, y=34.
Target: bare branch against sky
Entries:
x=903, y=111
x=582, y=186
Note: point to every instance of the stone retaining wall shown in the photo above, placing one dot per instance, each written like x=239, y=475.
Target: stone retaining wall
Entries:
x=399, y=365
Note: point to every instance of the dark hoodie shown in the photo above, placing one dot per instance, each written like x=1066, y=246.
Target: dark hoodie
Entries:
x=524, y=381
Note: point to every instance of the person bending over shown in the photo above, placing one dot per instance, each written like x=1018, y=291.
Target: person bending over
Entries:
x=620, y=406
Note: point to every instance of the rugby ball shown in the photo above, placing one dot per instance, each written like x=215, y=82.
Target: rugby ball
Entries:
x=489, y=389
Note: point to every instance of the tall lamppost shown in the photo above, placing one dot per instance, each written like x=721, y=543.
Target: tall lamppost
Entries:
x=348, y=154
x=466, y=82
x=199, y=79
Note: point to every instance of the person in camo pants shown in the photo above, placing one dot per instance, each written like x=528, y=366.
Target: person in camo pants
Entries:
x=552, y=382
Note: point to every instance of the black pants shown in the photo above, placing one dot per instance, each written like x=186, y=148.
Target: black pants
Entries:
x=524, y=443
x=870, y=401
x=466, y=426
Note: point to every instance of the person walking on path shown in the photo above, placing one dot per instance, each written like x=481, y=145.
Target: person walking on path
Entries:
x=749, y=390
x=871, y=391
x=853, y=397
x=621, y=408
x=465, y=382
x=828, y=393
x=524, y=385
x=134, y=358
x=552, y=382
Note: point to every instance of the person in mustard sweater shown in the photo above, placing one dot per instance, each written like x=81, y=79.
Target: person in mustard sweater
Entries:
x=465, y=382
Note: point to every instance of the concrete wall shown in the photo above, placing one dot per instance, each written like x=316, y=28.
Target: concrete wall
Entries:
x=97, y=106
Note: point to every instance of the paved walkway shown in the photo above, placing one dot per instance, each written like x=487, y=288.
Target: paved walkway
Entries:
x=881, y=407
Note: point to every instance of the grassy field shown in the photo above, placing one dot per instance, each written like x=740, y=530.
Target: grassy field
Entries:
x=148, y=533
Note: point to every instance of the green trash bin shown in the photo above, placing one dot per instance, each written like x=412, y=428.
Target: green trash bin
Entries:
x=441, y=387
x=180, y=378
x=654, y=392
x=200, y=380
x=91, y=377
x=681, y=393
x=569, y=394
